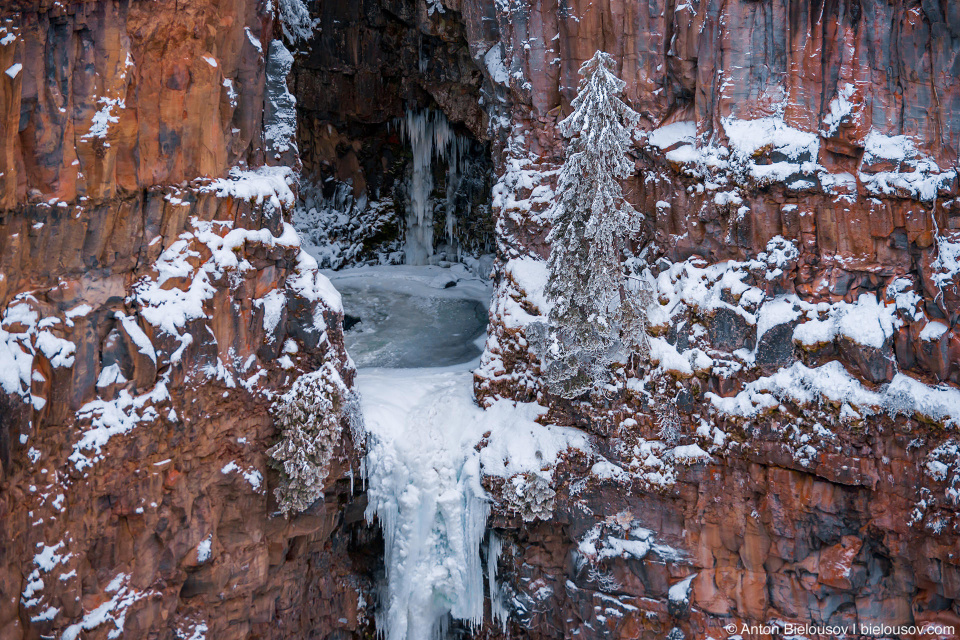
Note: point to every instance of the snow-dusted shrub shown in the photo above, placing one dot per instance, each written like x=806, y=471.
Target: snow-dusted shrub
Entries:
x=668, y=420
x=593, y=316
x=530, y=495
x=310, y=416
x=943, y=465
x=295, y=20
x=341, y=230
x=606, y=582
x=946, y=267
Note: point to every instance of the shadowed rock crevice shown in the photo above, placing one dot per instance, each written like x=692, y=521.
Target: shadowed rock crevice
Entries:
x=371, y=64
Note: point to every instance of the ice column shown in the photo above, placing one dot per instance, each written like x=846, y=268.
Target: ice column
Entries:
x=430, y=136
x=424, y=487
x=497, y=607
x=458, y=146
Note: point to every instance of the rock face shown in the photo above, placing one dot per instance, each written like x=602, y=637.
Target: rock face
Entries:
x=809, y=148
x=373, y=61
x=112, y=98
x=154, y=303
x=376, y=70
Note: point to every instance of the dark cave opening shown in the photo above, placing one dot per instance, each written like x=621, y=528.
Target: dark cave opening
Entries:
x=373, y=66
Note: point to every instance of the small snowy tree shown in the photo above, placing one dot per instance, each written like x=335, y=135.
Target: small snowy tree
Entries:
x=593, y=315
x=310, y=415
x=295, y=20
x=530, y=495
x=668, y=419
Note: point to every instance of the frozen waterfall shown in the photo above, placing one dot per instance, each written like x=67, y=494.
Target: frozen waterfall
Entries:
x=424, y=488
x=423, y=468
x=422, y=474
x=430, y=136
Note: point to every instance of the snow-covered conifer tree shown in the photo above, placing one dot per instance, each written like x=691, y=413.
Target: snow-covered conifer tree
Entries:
x=295, y=20
x=593, y=315
x=310, y=416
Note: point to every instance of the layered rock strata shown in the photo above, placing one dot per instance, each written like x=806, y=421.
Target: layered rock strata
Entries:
x=155, y=303
x=797, y=170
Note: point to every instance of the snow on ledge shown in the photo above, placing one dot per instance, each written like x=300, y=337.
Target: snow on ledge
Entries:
x=672, y=134
x=252, y=476
x=531, y=275
x=747, y=137
x=264, y=184
x=804, y=386
x=946, y=267
x=113, y=610
x=933, y=331
x=113, y=417
x=906, y=173
x=914, y=173
x=24, y=334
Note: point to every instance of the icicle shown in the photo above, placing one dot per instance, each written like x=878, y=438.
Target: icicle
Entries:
x=497, y=609
x=453, y=178
x=458, y=145
x=430, y=136
x=422, y=62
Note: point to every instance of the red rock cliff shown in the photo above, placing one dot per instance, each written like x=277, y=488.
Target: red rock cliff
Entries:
x=154, y=305
x=797, y=157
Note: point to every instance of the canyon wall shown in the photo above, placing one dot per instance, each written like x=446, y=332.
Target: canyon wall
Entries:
x=797, y=166
x=375, y=72
x=155, y=303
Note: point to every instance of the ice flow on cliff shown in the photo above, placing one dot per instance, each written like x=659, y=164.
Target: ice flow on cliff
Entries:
x=423, y=469
x=424, y=488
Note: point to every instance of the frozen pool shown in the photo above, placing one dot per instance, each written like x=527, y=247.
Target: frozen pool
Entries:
x=400, y=329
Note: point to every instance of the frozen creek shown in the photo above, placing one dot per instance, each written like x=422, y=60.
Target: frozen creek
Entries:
x=399, y=329
x=422, y=469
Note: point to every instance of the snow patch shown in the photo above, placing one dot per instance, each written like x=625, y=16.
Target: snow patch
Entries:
x=115, y=417
x=263, y=185
x=933, y=331
x=679, y=593
x=252, y=476
x=868, y=322
x=912, y=174
x=103, y=118
x=493, y=59
x=204, y=549
x=272, y=304
x=112, y=611
x=673, y=134
x=805, y=386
